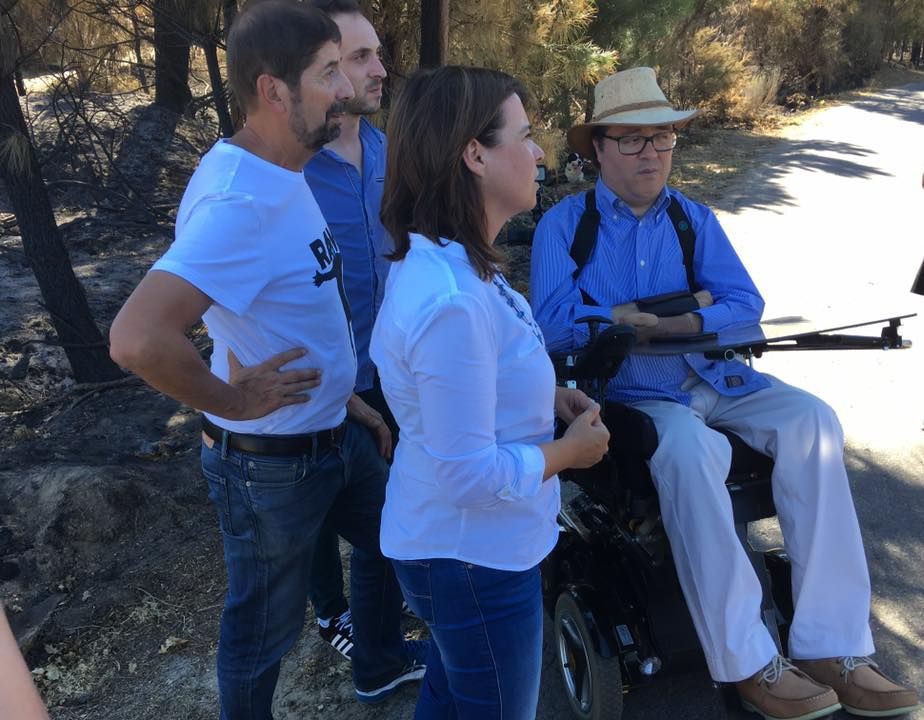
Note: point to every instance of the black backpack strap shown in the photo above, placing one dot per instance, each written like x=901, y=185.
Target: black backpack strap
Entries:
x=585, y=236
x=687, y=237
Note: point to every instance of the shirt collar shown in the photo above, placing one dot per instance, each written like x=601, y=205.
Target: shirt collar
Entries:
x=607, y=198
x=419, y=242
x=372, y=137
x=372, y=141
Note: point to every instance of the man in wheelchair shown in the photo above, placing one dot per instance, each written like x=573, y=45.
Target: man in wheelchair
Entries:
x=644, y=255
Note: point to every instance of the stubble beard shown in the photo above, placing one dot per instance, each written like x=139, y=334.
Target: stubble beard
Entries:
x=365, y=104
x=314, y=139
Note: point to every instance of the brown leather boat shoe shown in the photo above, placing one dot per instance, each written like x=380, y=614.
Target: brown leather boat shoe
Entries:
x=780, y=691
x=861, y=686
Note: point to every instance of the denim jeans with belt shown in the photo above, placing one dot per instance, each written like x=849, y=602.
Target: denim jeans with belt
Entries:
x=486, y=658
x=271, y=510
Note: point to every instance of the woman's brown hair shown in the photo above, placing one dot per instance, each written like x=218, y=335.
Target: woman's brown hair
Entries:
x=428, y=187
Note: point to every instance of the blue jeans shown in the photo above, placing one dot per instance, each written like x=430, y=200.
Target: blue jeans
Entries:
x=486, y=624
x=271, y=510
x=325, y=585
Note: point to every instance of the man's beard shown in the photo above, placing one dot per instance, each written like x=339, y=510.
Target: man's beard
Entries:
x=365, y=105
x=316, y=138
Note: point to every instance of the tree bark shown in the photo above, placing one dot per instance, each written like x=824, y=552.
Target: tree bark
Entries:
x=229, y=13
x=64, y=298
x=434, y=32
x=218, y=89
x=171, y=59
x=20, y=83
x=138, y=69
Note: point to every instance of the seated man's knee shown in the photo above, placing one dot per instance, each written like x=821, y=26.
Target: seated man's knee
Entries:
x=813, y=423
x=690, y=455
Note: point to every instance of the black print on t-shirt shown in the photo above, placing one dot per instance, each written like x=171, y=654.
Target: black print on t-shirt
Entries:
x=327, y=253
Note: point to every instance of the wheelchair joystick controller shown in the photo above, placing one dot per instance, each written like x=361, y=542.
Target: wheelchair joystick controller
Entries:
x=601, y=358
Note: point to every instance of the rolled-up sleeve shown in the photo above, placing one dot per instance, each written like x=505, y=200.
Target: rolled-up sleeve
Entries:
x=453, y=356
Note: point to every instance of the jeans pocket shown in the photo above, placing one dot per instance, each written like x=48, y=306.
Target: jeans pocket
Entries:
x=274, y=473
x=414, y=579
x=219, y=497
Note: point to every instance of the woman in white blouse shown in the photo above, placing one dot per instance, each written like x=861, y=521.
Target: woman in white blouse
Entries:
x=472, y=500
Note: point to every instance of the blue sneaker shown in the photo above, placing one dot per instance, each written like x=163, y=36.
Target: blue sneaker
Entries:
x=415, y=668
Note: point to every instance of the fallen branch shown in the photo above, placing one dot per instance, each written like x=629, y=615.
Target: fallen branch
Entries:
x=87, y=390
x=95, y=388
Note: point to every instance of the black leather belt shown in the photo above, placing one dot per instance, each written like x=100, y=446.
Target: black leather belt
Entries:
x=305, y=444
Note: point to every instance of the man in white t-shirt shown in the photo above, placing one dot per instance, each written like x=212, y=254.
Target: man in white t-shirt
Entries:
x=282, y=453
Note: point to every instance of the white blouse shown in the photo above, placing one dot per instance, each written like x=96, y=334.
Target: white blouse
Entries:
x=465, y=372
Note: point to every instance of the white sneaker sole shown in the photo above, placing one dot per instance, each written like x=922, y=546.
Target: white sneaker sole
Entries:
x=379, y=694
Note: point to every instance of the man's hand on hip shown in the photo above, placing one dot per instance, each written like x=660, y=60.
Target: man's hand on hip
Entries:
x=264, y=388
x=364, y=414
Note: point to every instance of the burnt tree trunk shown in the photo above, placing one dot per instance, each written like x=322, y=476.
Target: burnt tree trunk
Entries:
x=218, y=89
x=171, y=58
x=138, y=68
x=20, y=83
x=65, y=301
x=229, y=14
x=434, y=32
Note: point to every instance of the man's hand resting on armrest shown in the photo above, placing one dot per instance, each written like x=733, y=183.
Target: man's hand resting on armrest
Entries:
x=647, y=325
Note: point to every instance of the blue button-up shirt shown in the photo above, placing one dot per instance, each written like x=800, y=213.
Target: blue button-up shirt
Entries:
x=637, y=258
x=350, y=205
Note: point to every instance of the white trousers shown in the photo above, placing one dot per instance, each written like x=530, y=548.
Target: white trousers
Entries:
x=830, y=580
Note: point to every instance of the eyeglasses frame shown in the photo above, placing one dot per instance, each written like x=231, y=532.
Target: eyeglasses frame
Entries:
x=648, y=139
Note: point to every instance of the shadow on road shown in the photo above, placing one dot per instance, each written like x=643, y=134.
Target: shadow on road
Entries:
x=898, y=102
x=768, y=191
x=890, y=505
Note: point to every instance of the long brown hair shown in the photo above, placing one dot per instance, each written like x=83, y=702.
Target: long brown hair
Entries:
x=428, y=188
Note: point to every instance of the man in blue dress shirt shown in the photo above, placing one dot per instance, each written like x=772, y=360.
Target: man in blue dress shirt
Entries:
x=638, y=254
x=347, y=177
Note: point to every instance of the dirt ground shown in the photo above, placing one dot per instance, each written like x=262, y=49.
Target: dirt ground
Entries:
x=110, y=556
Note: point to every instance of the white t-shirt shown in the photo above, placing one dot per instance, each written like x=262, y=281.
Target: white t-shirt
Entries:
x=465, y=372
x=250, y=235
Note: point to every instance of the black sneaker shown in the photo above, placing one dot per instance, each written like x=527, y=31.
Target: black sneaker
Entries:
x=339, y=633
x=414, y=670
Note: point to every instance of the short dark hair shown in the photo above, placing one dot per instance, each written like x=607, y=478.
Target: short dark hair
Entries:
x=428, y=187
x=338, y=7
x=276, y=37
x=596, y=132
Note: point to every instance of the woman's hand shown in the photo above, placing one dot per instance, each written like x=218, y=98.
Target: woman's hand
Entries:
x=588, y=438
x=569, y=403
x=359, y=411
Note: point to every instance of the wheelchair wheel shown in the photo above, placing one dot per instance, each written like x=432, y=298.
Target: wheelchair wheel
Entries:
x=593, y=683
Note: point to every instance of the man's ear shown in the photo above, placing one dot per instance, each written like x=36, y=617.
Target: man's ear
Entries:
x=273, y=92
x=472, y=157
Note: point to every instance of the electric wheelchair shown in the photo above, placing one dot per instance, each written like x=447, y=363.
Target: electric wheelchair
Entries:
x=620, y=619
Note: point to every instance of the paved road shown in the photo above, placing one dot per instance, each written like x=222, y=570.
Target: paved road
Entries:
x=831, y=222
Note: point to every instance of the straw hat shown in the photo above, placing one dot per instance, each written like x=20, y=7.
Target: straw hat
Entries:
x=629, y=97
